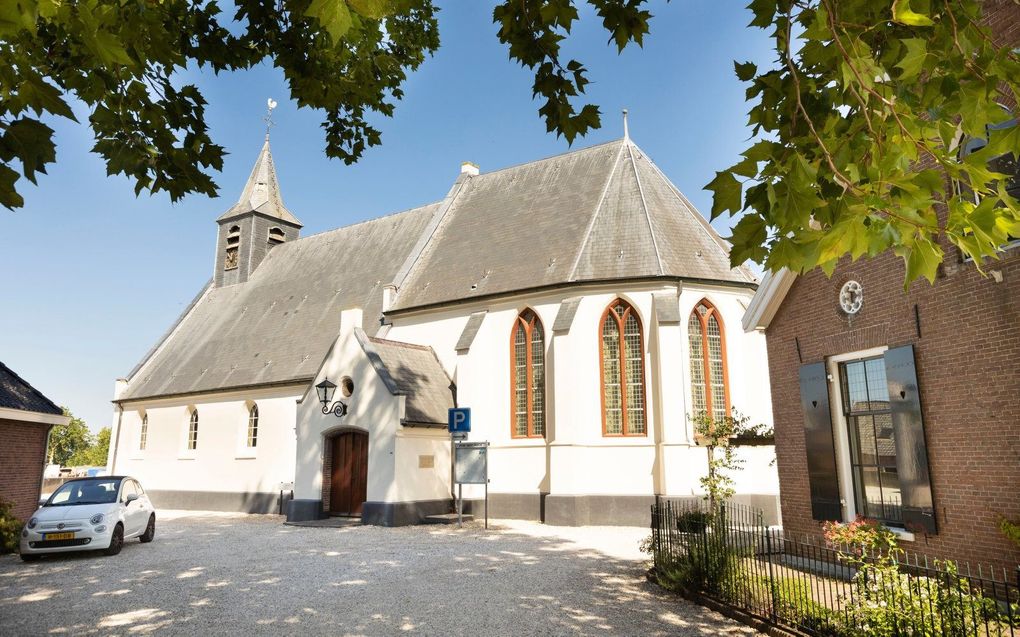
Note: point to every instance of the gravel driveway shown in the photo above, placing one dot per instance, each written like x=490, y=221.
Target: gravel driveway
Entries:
x=217, y=574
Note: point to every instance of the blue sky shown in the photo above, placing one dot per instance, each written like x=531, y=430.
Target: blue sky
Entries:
x=94, y=275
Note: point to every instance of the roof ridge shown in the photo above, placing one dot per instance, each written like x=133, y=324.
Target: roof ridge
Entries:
x=386, y=341
x=551, y=157
x=594, y=216
x=360, y=223
x=644, y=204
x=31, y=388
x=428, y=233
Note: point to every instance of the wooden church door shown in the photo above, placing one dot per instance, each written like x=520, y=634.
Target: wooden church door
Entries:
x=349, y=479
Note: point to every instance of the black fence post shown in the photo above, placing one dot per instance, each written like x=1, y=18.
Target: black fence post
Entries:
x=773, y=613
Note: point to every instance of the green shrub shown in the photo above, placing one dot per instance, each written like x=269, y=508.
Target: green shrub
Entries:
x=693, y=521
x=10, y=528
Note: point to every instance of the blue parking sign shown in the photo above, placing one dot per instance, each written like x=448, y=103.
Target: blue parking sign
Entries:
x=459, y=420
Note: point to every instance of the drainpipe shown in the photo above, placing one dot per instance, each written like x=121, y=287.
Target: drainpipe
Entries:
x=116, y=441
x=42, y=477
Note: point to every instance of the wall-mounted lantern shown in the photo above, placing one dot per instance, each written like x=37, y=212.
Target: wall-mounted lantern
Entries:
x=326, y=389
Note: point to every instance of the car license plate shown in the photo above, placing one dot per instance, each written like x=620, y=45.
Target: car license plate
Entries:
x=58, y=536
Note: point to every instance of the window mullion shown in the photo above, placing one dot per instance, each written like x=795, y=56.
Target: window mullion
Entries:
x=706, y=363
x=624, y=419
x=529, y=395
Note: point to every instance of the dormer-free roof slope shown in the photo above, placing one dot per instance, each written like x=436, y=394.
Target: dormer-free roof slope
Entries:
x=597, y=214
x=604, y=212
x=17, y=393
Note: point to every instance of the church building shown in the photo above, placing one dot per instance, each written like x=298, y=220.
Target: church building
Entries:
x=579, y=305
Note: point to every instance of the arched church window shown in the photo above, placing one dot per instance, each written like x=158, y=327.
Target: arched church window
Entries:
x=143, y=434
x=276, y=237
x=710, y=391
x=253, y=426
x=233, y=244
x=621, y=350
x=193, y=430
x=527, y=375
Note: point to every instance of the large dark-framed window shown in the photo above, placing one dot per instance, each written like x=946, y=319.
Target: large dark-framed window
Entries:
x=527, y=376
x=622, y=358
x=871, y=437
x=1006, y=163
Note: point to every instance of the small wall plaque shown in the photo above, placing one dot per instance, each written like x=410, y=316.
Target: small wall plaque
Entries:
x=426, y=462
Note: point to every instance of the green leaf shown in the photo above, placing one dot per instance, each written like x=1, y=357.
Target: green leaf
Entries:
x=333, y=15
x=727, y=193
x=745, y=70
x=748, y=239
x=903, y=14
x=913, y=59
x=923, y=259
x=16, y=15
x=9, y=197
x=371, y=9
x=31, y=141
x=43, y=97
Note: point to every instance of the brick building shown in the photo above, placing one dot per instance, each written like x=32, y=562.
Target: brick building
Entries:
x=26, y=418
x=904, y=407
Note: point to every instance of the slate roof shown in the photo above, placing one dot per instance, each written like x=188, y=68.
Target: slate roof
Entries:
x=413, y=371
x=604, y=212
x=16, y=393
x=278, y=326
x=600, y=213
x=262, y=192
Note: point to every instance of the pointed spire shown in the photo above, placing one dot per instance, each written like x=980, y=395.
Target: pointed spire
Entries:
x=626, y=131
x=262, y=192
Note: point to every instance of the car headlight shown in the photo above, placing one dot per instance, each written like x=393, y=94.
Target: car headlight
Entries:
x=32, y=523
x=96, y=519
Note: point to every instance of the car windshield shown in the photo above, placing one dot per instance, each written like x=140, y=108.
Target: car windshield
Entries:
x=85, y=492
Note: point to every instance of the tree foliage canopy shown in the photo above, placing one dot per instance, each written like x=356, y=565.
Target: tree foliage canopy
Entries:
x=863, y=113
x=69, y=440
x=859, y=117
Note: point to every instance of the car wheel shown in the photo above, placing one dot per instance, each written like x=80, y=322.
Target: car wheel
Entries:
x=28, y=557
x=116, y=540
x=150, y=530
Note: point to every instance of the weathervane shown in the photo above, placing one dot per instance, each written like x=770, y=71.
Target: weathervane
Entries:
x=270, y=104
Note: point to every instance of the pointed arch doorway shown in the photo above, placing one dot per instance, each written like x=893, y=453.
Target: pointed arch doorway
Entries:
x=348, y=473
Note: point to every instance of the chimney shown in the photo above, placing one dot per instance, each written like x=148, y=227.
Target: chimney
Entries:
x=467, y=168
x=350, y=319
x=388, y=292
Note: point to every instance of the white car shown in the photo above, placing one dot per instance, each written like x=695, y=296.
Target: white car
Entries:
x=90, y=513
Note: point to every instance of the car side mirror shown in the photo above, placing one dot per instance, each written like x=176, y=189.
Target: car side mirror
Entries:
x=42, y=501
x=131, y=498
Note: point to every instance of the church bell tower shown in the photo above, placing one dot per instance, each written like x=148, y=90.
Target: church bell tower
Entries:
x=253, y=226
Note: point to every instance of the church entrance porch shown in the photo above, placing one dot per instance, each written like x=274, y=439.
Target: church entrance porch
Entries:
x=347, y=459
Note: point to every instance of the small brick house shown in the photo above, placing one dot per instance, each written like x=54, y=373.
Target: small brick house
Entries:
x=26, y=418
x=903, y=407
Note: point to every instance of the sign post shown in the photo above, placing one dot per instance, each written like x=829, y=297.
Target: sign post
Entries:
x=471, y=466
x=470, y=459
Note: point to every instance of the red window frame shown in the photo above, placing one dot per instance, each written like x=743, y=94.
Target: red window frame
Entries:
x=527, y=320
x=706, y=363
x=621, y=321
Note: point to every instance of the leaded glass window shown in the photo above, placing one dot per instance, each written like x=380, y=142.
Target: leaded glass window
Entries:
x=143, y=436
x=193, y=430
x=253, y=426
x=527, y=376
x=623, y=372
x=707, y=344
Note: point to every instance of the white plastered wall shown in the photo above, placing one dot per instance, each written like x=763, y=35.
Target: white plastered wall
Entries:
x=221, y=462
x=393, y=450
x=575, y=458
